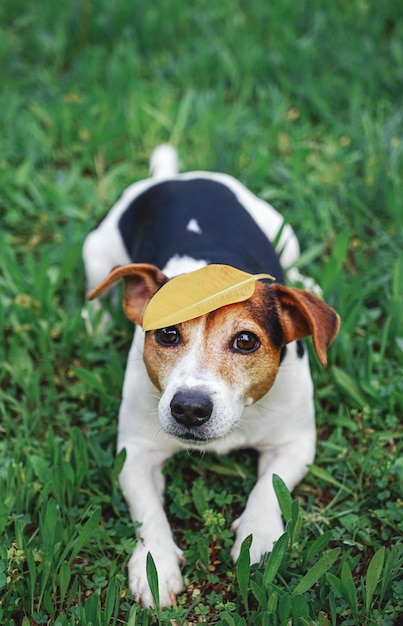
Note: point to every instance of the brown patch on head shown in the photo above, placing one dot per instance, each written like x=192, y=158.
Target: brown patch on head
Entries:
x=161, y=359
x=252, y=371
x=208, y=345
x=215, y=343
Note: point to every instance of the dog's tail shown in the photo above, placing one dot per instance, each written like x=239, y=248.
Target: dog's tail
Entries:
x=164, y=162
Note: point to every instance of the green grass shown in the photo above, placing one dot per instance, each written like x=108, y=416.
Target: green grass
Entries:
x=302, y=102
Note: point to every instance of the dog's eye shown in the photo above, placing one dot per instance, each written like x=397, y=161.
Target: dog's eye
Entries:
x=245, y=342
x=168, y=336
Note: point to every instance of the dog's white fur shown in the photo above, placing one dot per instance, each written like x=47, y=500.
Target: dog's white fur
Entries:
x=280, y=426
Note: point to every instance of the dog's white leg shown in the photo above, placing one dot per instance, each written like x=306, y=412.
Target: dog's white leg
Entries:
x=262, y=516
x=142, y=484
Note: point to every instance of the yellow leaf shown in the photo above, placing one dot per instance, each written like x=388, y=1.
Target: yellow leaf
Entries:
x=190, y=295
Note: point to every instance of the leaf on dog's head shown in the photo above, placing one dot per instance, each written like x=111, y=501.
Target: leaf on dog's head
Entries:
x=194, y=294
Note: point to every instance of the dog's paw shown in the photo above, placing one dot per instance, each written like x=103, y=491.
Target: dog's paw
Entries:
x=264, y=533
x=169, y=575
x=304, y=282
x=97, y=321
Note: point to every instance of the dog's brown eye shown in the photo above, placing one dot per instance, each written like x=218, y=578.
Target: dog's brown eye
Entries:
x=245, y=342
x=168, y=336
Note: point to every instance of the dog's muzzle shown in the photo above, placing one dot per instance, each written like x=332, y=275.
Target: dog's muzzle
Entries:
x=198, y=413
x=191, y=409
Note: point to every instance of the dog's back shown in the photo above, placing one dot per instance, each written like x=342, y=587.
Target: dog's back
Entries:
x=207, y=216
x=198, y=218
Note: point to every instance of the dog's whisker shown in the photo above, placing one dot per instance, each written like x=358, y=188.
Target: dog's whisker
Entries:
x=265, y=408
x=159, y=430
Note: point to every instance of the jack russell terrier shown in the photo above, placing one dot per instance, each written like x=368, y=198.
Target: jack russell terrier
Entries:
x=228, y=369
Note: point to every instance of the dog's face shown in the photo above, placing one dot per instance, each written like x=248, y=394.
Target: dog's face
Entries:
x=209, y=368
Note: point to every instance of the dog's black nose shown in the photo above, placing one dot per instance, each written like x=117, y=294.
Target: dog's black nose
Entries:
x=190, y=408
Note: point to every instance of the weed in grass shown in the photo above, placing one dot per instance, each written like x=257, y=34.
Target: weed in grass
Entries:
x=302, y=103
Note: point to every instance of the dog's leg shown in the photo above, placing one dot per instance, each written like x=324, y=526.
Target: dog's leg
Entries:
x=142, y=481
x=262, y=516
x=142, y=484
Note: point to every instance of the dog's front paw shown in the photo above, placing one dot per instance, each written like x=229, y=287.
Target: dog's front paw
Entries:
x=166, y=561
x=264, y=533
x=97, y=321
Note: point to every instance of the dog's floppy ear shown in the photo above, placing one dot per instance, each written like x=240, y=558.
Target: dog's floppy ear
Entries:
x=141, y=281
x=303, y=314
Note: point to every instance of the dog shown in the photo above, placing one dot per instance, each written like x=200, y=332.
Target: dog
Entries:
x=233, y=376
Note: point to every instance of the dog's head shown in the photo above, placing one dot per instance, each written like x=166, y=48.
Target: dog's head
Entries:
x=210, y=367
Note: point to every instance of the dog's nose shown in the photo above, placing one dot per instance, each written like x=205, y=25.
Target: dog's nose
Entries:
x=190, y=408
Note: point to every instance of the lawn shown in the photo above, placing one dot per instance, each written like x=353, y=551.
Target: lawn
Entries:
x=300, y=100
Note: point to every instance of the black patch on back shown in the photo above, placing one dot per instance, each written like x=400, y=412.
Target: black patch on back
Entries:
x=154, y=227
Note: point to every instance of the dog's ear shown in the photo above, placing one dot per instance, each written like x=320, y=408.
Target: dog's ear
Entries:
x=303, y=314
x=141, y=281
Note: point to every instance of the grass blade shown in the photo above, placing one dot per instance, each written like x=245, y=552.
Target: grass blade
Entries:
x=275, y=559
x=112, y=602
x=335, y=583
x=85, y=534
x=324, y=475
x=64, y=580
x=152, y=577
x=199, y=497
x=347, y=385
x=317, y=571
x=283, y=496
x=294, y=525
x=91, y=380
x=318, y=545
x=243, y=570
x=393, y=565
x=349, y=588
x=373, y=576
